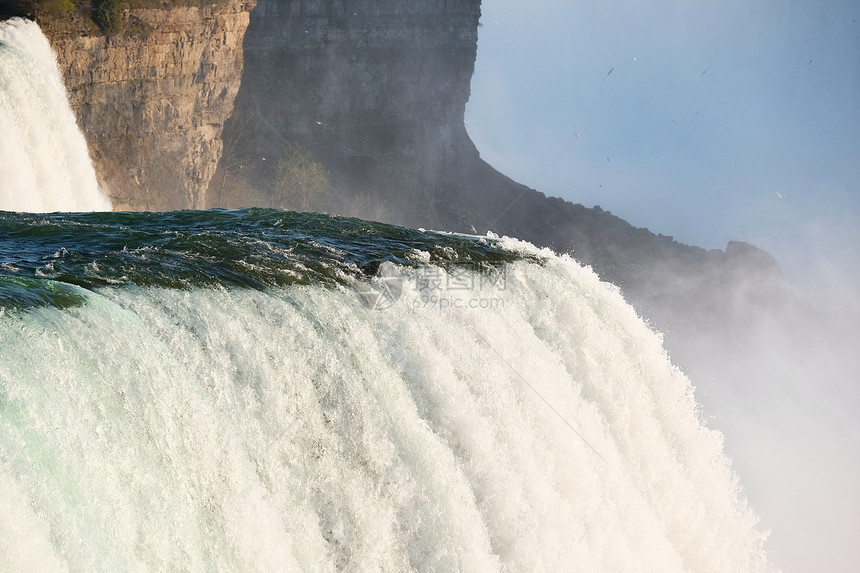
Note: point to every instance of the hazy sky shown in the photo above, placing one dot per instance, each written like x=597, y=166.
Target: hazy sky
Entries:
x=704, y=120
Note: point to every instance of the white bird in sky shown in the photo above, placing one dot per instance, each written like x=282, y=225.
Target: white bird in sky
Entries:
x=780, y=195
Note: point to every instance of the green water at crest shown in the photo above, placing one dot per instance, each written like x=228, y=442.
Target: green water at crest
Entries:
x=41, y=255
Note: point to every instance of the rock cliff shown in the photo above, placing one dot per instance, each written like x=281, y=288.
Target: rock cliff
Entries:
x=152, y=102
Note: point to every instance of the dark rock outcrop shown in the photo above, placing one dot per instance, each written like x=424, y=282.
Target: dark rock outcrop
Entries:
x=19, y=8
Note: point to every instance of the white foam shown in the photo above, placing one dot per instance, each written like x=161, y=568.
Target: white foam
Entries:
x=299, y=430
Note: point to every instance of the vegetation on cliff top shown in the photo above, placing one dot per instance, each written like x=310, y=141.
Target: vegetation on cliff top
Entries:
x=109, y=16
x=301, y=183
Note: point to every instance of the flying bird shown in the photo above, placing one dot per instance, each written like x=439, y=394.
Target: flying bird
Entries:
x=609, y=72
x=675, y=122
x=780, y=195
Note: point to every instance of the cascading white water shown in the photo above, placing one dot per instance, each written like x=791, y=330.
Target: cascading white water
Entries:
x=534, y=427
x=44, y=163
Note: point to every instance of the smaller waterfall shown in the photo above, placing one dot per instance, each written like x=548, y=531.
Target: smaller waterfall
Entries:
x=44, y=163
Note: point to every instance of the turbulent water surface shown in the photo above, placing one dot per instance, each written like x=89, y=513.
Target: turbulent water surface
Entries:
x=264, y=390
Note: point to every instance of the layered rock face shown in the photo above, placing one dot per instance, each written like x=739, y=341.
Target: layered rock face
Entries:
x=152, y=104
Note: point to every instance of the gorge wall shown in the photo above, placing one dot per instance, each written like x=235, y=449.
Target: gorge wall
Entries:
x=152, y=101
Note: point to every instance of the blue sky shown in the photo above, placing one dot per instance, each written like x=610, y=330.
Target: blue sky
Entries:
x=707, y=121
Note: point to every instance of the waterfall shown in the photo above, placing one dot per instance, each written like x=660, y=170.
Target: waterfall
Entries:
x=44, y=163
x=227, y=394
